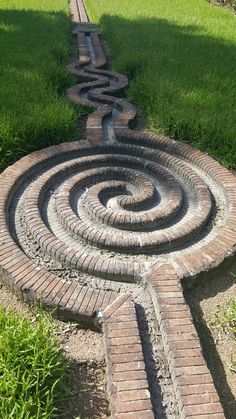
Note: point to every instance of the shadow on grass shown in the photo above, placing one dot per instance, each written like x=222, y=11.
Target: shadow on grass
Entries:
x=182, y=79
x=33, y=77
x=209, y=285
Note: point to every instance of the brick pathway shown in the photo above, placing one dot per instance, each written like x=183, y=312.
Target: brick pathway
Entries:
x=123, y=206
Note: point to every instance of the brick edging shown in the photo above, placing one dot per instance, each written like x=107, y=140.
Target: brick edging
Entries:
x=195, y=391
x=126, y=375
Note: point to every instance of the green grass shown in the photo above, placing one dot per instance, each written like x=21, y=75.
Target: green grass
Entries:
x=34, y=45
x=180, y=56
x=33, y=373
x=225, y=318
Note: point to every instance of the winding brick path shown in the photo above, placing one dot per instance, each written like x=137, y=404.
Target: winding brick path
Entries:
x=123, y=206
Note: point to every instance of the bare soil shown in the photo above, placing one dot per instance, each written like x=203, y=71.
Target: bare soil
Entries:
x=85, y=351
x=227, y=5
x=219, y=348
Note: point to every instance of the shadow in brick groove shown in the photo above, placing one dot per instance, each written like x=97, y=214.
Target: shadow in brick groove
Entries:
x=203, y=287
x=154, y=374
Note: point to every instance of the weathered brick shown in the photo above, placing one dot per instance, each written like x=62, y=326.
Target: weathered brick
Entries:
x=132, y=406
x=197, y=389
x=127, y=357
x=130, y=395
x=200, y=409
x=127, y=340
x=143, y=414
x=130, y=375
x=131, y=385
x=113, y=307
x=200, y=398
x=129, y=366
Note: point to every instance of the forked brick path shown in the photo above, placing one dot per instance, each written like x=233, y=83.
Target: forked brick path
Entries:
x=80, y=220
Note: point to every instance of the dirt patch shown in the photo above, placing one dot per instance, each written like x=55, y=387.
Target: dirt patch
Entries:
x=225, y=3
x=81, y=345
x=89, y=399
x=218, y=347
x=85, y=351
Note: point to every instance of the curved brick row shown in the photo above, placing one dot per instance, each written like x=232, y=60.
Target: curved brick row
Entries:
x=123, y=206
x=73, y=209
x=100, y=180
x=24, y=276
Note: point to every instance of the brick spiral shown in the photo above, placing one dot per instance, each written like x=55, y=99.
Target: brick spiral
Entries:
x=89, y=206
x=109, y=205
x=101, y=201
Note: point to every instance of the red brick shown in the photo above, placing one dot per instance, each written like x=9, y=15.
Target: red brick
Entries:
x=213, y=416
x=127, y=340
x=129, y=366
x=122, y=318
x=197, y=389
x=111, y=309
x=132, y=406
x=189, y=380
x=191, y=370
x=131, y=385
x=125, y=349
x=120, y=333
x=130, y=375
x=144, y=414
x=200, y=398
x=190, y=361
x=200, y=409
x=122, y=325
x=124, y=396
x=127, y=357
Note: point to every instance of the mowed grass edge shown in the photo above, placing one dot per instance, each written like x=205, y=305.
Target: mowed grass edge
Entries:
x=35, y=45
x=180, y=57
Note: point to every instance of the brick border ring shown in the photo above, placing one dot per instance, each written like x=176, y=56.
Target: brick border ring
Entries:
x=122, y=206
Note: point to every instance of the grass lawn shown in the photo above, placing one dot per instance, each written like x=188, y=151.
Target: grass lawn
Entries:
x=33, y=371
x=34, y=45
x=180, y=56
